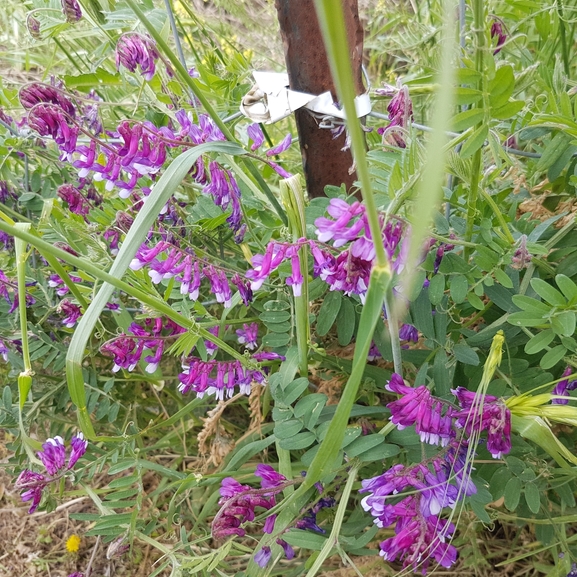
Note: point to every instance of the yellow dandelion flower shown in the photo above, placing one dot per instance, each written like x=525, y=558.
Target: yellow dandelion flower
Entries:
x=73, y=544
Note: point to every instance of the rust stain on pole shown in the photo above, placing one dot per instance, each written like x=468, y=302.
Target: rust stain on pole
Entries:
x=308, y=69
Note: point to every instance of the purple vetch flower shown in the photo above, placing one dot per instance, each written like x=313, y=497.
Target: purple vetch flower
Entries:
x=225, y=192
x=39, y=93
x=262, y=558
x=73, y=197
x=279, y=169
x=247, y=336
x=219, y=285
x=281, y=147
x=255, y=133
x=288, y=550
x=409, y=333
x=337, y=229
x=432, y=417
x=4, y=351
x=400, y=111
x=76, y=574
x=54, y=281
x=72, y=312
x=78, y=446
x=113, y=236
x=498, y=33
x=218, y=378
x=264, y=264
x=71, y=10
x=53, y=455
x=6, y=240
x=209, y=345
x=522, y=257
x=127, y=350
x=51, y=120
x=563, y=387
x=33, y=26
x=238, y=503
x=374, y=352
x=243, y=287
x=269, y=477
x=32, y=486
x=417, y=541
x=485, y=413
x=133, y=50
x=268, y=356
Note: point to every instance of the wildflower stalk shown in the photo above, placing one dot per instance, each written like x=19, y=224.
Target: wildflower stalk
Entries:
x=21, y=257
x=479, y=30
x=333, y=540
x=292, y=196
x=394, y=332
x=25, y=377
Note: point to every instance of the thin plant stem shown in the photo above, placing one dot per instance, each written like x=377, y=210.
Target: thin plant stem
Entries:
x=479, y=30
x=332, y=541
x=394, y=333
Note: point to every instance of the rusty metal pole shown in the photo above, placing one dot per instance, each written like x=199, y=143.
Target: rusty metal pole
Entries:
x=308, y=69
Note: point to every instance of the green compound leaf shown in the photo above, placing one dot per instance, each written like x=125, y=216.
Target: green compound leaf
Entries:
x=512, y=493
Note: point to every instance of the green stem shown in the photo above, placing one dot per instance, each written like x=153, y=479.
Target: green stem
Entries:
x=21, y=256
x=394, y=333
x=332, y=541
x=332, y=24
x=499, y=214
x=479, y=30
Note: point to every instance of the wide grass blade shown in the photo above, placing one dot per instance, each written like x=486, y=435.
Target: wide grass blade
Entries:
x=153, y=204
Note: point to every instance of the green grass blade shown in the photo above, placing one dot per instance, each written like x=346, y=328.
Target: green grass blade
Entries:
x=153, y=204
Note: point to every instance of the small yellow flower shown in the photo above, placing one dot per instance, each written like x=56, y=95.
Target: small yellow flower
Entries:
x=73, y=544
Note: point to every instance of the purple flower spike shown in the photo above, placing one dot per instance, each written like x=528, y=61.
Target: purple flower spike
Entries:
x=247, y=336
x=270, y=478
x=288, y=550
x=490, y=414
x=72, y=312
x=71, y=10
x=409, y=333
x=78, y=447
x=53, y=455
x=76, y=202
x=38, y=93
x=244, y=289
x=498, y=33
x=432, y=418
x=563, y=387
x=133, y=50
x=33, y=26
x=281, y=147
x=32, y=485
x=262, y=558
x=50, y=120
x=255, y=133
x=400, y=111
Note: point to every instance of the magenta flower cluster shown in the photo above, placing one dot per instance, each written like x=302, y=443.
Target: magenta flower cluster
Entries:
x=127, y=350
x=135, y=50
x=350, y=270
x=400, y=111
x=421, y=535
x=165, y=261
x=220, y=378
x=563, y=387
x=53, y=457
x=438, y=422
x=239, y=502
